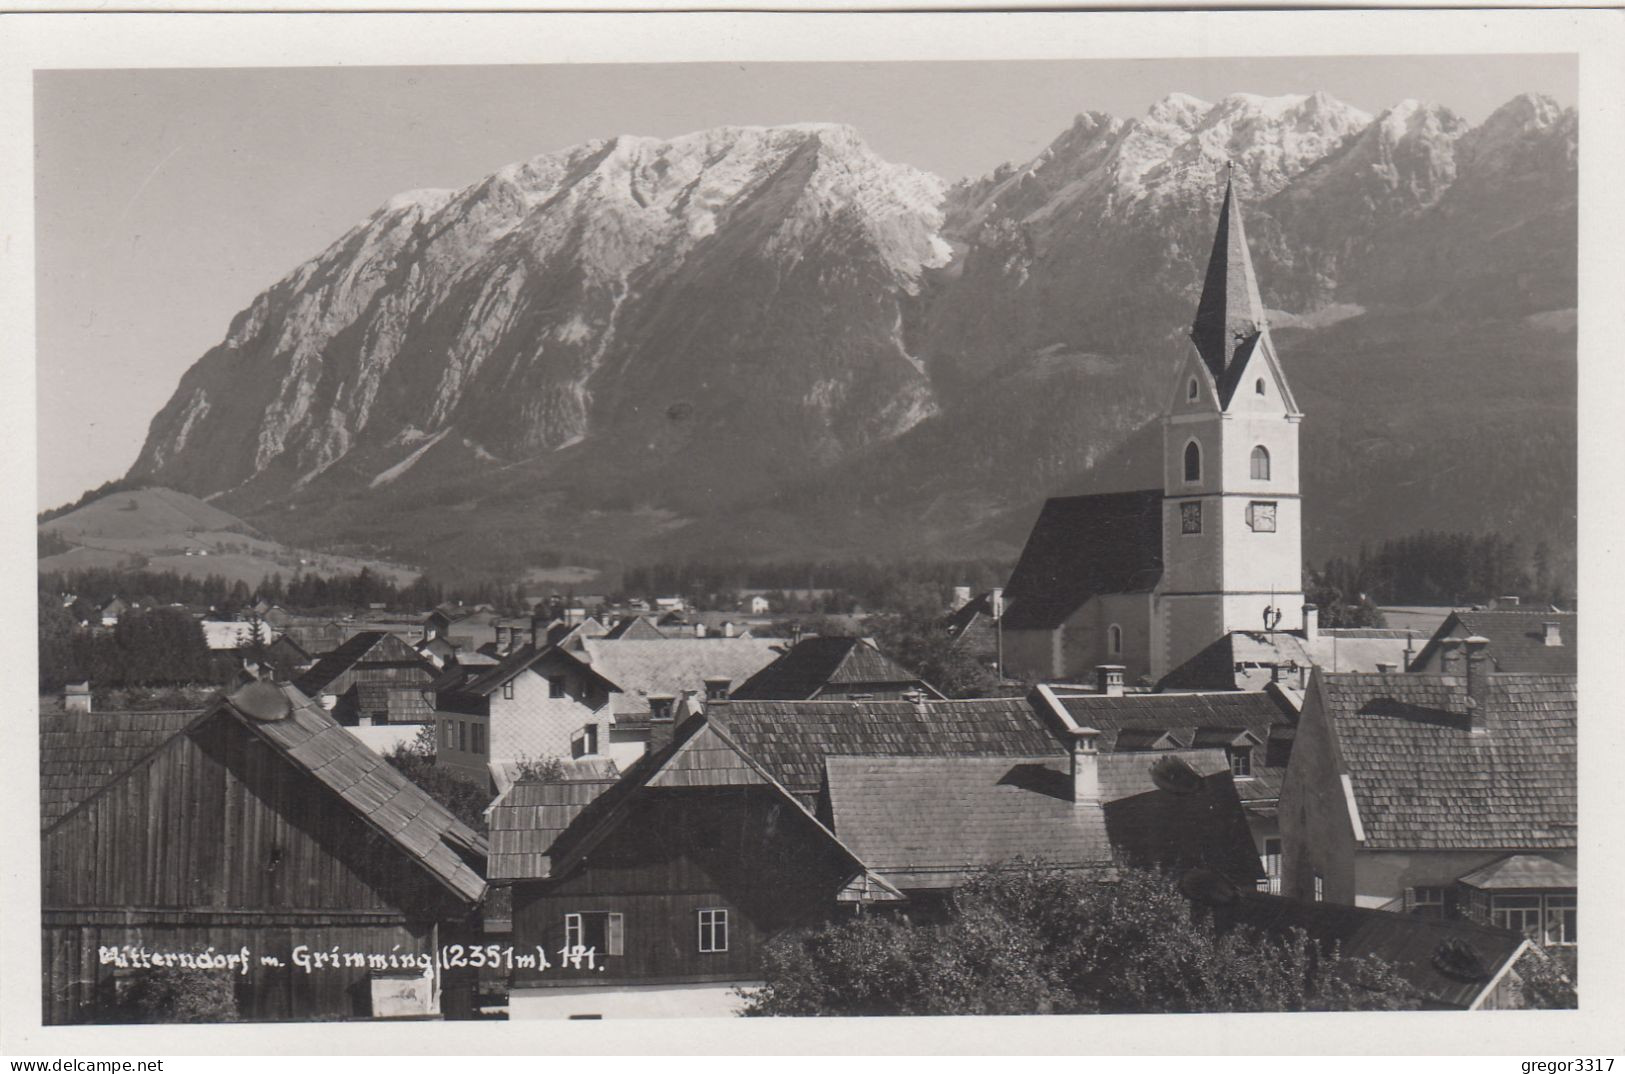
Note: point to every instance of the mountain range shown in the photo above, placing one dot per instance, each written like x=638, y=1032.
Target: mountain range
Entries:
x=772, y=343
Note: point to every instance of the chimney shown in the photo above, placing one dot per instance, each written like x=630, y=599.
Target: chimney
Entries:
x=1478, y=682
x=995, y=601
x=961, y=597
x=1109, y=679
x=1311, y=623
x=1554, y=632
x=915, y=698
x=717, y=687
x=699, y=630
x=795, y=633
x=1506, y=602
x=1085, y=765
x=1450, y=662
x=1386, y=669
x=76, y=697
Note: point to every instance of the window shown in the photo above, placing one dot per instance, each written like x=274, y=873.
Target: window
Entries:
x=1261, y=463
x=507, y=690
x=1114, y=640
x=1191, y=390
x=462, y=735
x=1545, y=919
x=1562, y=919
x=1259, y=387
x=1190, y=517
x=1519, y=913
x=479, y=738
x=1271, y=860
x=589, y=740
x=445, y=734
x=1193, y=462
x=555, y=686
x=1428, y=902
x=597, y=931
x=1241, y=762
x=1261, y=516
x=1320, y=888
x=713, y=931
x=660, y=708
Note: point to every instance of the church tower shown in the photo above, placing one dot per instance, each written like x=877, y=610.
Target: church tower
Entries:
x=1231, y=517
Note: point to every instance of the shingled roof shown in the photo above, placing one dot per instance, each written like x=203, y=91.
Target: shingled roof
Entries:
x=1409, y=944
x=929, y=822
x=527, y=819
x=308, y=737
x=791, y=739
x=367, y=647
x=1517, y=639
x=818, y=662
x=81, y=752
x=1083, y=546
x=1250, y=659
x=1423, y=779
x=1181, y=714
x=641, y=668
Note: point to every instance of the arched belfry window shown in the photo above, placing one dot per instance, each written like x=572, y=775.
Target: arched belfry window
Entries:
x=1193, y=461
x=1191, y=389
x=1261, y=463
x=1259, y=387
x=1114, y=640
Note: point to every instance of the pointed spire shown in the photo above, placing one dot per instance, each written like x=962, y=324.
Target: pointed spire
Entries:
x=1230, y=311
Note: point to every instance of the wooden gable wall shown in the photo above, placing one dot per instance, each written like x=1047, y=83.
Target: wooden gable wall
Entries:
x=743, y=849
x=217, y=839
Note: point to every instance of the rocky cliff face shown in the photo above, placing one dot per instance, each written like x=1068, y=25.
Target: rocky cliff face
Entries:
x=770, y=340
x=714, y=289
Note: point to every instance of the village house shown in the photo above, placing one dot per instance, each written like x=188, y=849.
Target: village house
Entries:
x=261, y=825
x=1441, y=795
x=1252, y=659
x=832, y=669
x=112, y=610
x=1148, y=578
x=1449, y=964
x=972, y=625
x=466, y=628
x=598, y=699
x=375, y=677
x=1253, y=729
x=751, y=818
x=1520, y=639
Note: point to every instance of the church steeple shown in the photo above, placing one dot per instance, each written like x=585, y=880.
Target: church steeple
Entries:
x=1230, y=314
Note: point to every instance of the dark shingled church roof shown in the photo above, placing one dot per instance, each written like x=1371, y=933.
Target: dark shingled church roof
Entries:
x=1082, y=546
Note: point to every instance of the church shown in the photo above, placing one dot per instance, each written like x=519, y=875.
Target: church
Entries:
x=1148, y=579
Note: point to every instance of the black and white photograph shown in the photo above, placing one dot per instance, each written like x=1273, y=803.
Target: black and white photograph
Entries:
x=1086, y=524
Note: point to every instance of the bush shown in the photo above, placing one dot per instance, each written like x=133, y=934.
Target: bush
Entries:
x=1031, y=939
x=178, y=994
x=1548, y=978
x=465, y=801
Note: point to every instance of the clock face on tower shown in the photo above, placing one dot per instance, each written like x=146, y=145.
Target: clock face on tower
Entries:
x=1190, y=517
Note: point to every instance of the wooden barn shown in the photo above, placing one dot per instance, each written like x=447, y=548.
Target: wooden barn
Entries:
x=262, y=827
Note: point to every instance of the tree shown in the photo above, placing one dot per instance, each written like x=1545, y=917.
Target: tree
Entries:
x=913, y=635
x=415, y=760
x=1031, y=939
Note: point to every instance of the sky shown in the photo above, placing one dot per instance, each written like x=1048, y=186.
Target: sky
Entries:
x=167, y=199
